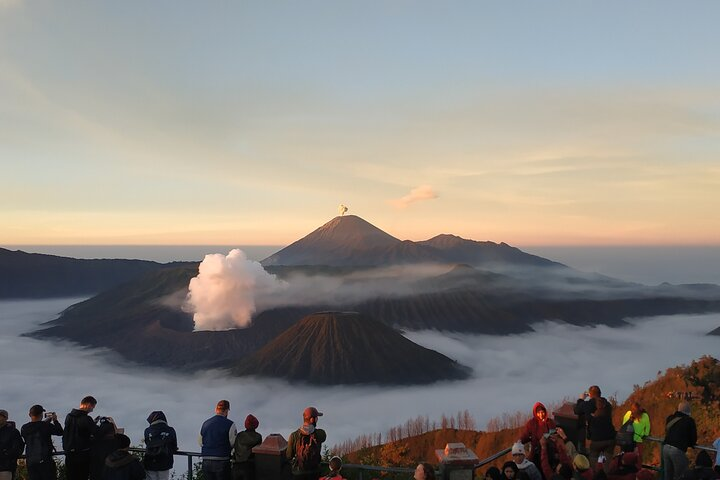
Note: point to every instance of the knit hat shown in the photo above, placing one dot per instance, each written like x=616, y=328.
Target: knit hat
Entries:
x=251, y=423
x=517, y=448
x=155, y=416
x=581, y=462
x=684, y=407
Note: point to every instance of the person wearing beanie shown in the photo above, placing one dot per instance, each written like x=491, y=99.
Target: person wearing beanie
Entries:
x=160, y=447
x=680, y=434
x=243, y=460
x=39, y=445
x=11, y=447
x=121, y=464
x=523, y=464
x=581, y=465
x=535, y=428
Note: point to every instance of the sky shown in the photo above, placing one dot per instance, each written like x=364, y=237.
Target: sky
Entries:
x=248, y=123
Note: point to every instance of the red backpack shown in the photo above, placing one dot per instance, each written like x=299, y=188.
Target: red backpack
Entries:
x=308, y=453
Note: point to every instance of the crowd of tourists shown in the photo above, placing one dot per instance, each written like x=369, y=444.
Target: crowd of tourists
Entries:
x=96, y=449
x=604, y=452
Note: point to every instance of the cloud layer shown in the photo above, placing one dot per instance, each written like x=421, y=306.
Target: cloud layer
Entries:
x=511, y=373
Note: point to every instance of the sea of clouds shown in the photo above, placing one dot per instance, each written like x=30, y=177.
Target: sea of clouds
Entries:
x=511, y=373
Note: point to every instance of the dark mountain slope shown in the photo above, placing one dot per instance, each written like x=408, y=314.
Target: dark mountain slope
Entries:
x=348, y=348
x=34, y=275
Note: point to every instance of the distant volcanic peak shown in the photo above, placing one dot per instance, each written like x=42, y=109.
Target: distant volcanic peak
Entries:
x=350, y=348
x=351, y=231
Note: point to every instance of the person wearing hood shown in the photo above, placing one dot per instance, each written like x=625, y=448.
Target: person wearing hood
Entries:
x=523, y=464
x=103, y=444
x=121, y=464
x=11, y=447
x=217, y=437
x=535, y=428
x=77, y=439
x=680, y=434
x=39, y=446
x=160, y=447
x=305, y=446
x=243, y=460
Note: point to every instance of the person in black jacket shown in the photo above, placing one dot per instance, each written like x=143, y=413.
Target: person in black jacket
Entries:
x=104, y=443
x=38, y=443
x=680, y=434
x=160, y=446
x=77, y=439
x=11, y=447
x=121, y=464
x=597, y=412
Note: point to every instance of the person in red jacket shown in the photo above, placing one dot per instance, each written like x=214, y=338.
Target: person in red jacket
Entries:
x=538, y=426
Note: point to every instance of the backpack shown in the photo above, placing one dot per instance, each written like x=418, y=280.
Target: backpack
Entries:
x=625, y=436
x=308, y=453
x=70, y=434
x=157, y=448
x=36, y=450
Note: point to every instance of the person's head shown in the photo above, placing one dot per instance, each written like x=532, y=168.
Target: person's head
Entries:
x=594, y=391
x=123, y=441
x=310, y=416
x=518, y=452
x=703, y=459
x=636, y=410
x=493, y=473
x=424, y=471
x=581, y=463
x=540, y=412
x=106, y=427
x=509, y=470
x=88, y=404
x=36, y=413
x=335, y=464
x=3, y=418
x=684, y=407
x=156, y=416
x=251, y=423
x=565, y=471
x=222, y=408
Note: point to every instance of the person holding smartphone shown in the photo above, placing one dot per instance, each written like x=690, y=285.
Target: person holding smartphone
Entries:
x=39, y=446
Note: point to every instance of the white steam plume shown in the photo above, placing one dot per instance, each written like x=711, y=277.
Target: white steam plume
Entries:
x=223, y=294
x=342, y=209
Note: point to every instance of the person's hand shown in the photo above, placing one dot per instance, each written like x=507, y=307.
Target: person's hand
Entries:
x=561, y=433
x=543, y=442
x=54, y=417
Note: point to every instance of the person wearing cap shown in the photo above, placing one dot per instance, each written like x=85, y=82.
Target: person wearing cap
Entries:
x=523, y=464
x=305, y=447
x=121, y=464
x=217, y=437
x=78, y=434
x=160, y=447
x=11, y=446
x=680, y=434
x=243, y=460
x=38, y=443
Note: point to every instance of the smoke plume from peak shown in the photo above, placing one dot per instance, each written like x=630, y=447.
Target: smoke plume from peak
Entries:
x=342, y=209
x=223, y=294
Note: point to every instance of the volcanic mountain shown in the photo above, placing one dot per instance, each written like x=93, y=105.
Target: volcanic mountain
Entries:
x=35, y=275
x=348, y=348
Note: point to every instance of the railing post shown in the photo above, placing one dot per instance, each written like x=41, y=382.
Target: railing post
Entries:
x=190, y=468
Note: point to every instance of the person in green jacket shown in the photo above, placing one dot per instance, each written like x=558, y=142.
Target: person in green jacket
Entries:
x=640, y=423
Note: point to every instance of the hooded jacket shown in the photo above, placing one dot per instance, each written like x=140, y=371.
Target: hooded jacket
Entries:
x=683, y=433
x=535, y=429
x=38, y=440
x=11, y=447
x=161, y=444
x=121, y=465
x=79, y=431
x=599, y=424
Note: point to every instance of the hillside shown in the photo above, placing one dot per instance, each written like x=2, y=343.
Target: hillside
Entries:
x=348, y=348
x=699, y=380
x=35, y=275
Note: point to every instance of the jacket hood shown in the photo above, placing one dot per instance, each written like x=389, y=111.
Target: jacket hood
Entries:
x=76, y=412
x=119, y=458
x=536, y=407
x=524, y=464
